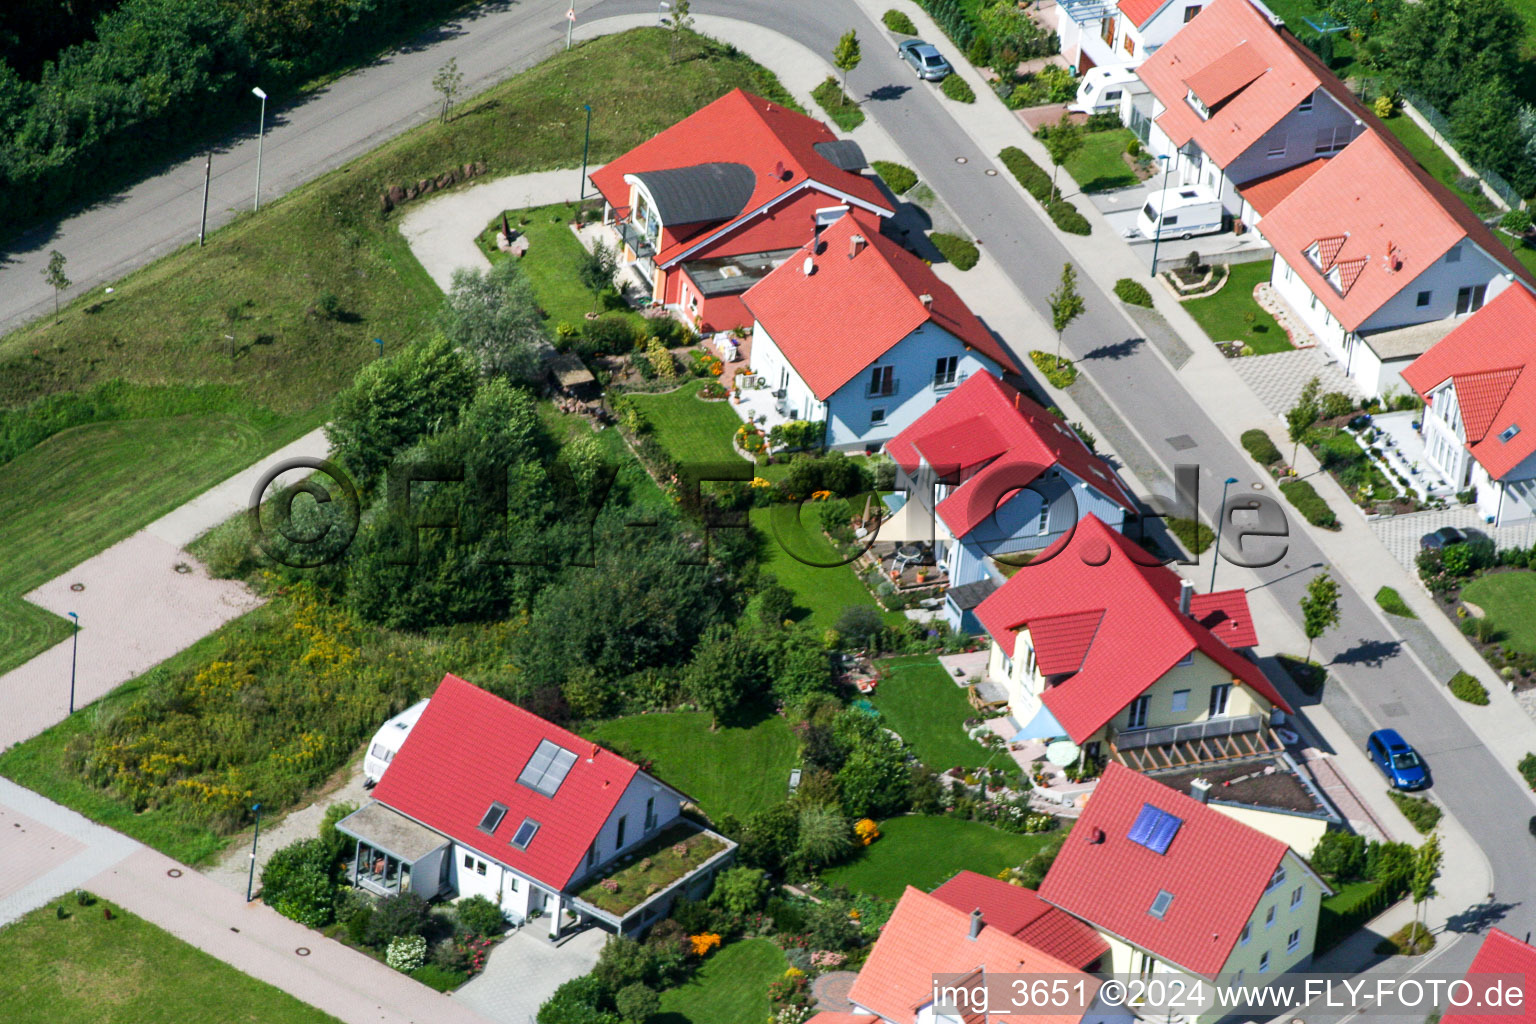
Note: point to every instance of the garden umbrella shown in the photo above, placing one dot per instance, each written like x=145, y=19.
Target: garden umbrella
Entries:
x=1041, y=726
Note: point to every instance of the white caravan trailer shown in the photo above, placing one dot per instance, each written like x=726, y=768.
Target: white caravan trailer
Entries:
x=387, y=741
x=1180, y=212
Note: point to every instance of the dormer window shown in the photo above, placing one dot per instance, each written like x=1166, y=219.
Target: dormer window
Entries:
x=1199, y=107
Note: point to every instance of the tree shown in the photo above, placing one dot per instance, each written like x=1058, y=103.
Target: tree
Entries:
x=769, y=837
x=1426, y=868
x=596, y=269
x=681, y=22
x=1062, y=142
x=493, y=316
x=1319, y=608
x=874, y=780
x=637, y=1003
x=1066, y=305
x=846, y=57
x=1485, y=125
x=1302, y=415
x=740, y=890
x=1445, y=48
x=296, y=883
x=54, y=275
x=727, y=667
x=448, y=81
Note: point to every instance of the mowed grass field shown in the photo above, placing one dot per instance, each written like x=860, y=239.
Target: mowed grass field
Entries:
x=821, y=591
x=732, y=985
x=926, y=851
x=86, y=969
x=691, y=430
x=921, y=702
x=246, y=311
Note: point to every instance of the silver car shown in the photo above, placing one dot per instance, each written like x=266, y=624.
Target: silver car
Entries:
x=925, y=59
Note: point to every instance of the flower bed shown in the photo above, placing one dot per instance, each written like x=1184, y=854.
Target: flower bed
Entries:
x=651, y=868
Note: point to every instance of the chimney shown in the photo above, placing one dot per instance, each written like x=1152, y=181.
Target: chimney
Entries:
x=926, y=300
x=856, y=245
x=1186, y=591
x=975, y=923
x=809, y=266
x=1200, y=789
x=1095, y=836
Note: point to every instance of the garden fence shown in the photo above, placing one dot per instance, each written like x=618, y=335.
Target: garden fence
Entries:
x=1441, y=125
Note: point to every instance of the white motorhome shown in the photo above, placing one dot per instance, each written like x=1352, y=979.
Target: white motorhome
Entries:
x=387, y=741
x=1181, y=212
x=1103, y=88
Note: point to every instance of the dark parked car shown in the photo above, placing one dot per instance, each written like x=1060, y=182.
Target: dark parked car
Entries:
x=1441, y=539
x=925, y=59
x=1399, y=762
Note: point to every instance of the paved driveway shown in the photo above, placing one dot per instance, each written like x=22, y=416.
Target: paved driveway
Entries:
x=525, y=969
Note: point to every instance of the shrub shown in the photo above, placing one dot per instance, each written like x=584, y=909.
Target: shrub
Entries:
x=1258, y=445
x=336, y=843
x=1384, y=106
x=798, y=434
x=611, y=334
x=1420, y=812
x=1103, y=121
x=1391, y=601
x=406, y=953
x=898, y=177
x=1340, y=857
x=1466, y=687
x=1527, y=767
x=1310, y=504
x=479, y=915
x=636, y=1003
x=1029, y=174
x=1193, y=534
x=1061, y=374
x=442, y=979
x=396, y=917
x=1133, y=293
x=958, y=89
x=740, y=890
x=1335, y=404
x=1516, y=222
x=1067, y=217
x=897, y=21
x=962, y=252
x=297, y=883
x=581, y=1000
x=841, y=108
x=825, y=838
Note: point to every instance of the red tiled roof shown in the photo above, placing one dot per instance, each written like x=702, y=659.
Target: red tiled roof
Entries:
x=838, y=320
x=466, y=752
x=1264, y=194
x=1023, y=914
x=1141, y=11
x=1231, y=52
x=1486, y=354
x=1062, y=641
x=775, y=142
x=1216, y=868
x=1141, y=635
x=1225, y=613
x=927, y=936
x=996, y=440
x=835, y=1017
x=1500, y=953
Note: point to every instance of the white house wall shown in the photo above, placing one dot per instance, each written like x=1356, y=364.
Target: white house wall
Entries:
x=774, y=367
x=1293, y=141
x=631, y=807
x=500, y=885
x=1512, y=500
x=1442, y=279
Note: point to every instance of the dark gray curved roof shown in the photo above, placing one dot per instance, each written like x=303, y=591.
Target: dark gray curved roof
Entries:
x=844, y=154
x=703, y=192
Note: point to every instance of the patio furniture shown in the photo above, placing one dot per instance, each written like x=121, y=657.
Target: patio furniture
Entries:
x=905, y=556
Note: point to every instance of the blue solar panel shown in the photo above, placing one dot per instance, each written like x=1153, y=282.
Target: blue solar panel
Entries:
x=1154, y=829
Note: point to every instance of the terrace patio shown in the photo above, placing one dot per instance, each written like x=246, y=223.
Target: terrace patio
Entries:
x=909, y=565
x=638, y=889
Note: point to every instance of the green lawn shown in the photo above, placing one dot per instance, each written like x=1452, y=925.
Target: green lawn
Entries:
x=921, y=702
x=1523, y=252
x=88, y=487
x=1293, y=11
x=690, y=430
x=88, y=970
x=731, y=987
x=1224, y=316
x=1098, y=166
x=838, y=105
x=821, y=592
x=632, y=482
x=925, y=851
x=729, y=771
x=1509, y=598
x=1433, y=159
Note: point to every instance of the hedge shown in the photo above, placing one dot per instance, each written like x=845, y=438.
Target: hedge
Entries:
x=1527, y=768
x=1420, y=812
x=1029, y=174
x=1465, y=686
x=957, y=89
x=953, y=19
x=1258, y=444
x=1391, y=601
x=1337, y=922
x=1061, y=375
x=1310, y=504
x=1065, y=216
x=897, y=21
x=898, y=177
x=1133, y=293
x=1193, y=534
x=962, y=252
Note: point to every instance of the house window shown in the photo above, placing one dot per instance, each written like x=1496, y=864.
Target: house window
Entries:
x=1199, y=107
x=512, y=883
x=1160, y=903
x=1264, y=962
x=469, y=861
x=1470, y=299
x=1297, y=896
x=479, y=867
x=1293, y=941
x=1453, y=254
x=1219, y=694
x=1237, y=980
x=650, y=813
x=1190, y=12
x=1043, y=525
x=1269, y=918
x=1187, y=660
x=1246, y=934
x=1180, y=701
x=592, y=853
x=1276, y=880
x=944, y=371
x=1306, y=104
x=618, y=839
x=882, y=381
x=493, y=816
x=877, y=416
x=1277, y=146
x=1509, y=432
x=1422, y=299
x=1136, y=713
x=1331, y=140
x=1130, y=44
x=525, y=833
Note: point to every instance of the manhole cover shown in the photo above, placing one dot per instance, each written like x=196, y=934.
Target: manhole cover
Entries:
x=77, y=587
x=960, y=160
x=302, y=951
x=1394, y=710
x=991, y=172
x=1181, y=442
x=1257, y=486
x=183, y=567
x=174, y=872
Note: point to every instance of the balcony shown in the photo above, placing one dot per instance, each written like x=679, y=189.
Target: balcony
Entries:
x=635, y=239
x=948, y=381
x=1174, y=746
x=882, y=389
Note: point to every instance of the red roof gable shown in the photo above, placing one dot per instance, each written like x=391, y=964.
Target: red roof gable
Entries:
x=1023, y=914
x=776, y=143
x=996, y=440
x=1140, y=636
x=927, y=936
x=833, y=323
x=1500, y=953
x=467, y=751
x=1229, y=52
x=1141, y=11
x=1264, y=194
x=1486, y=357
x=1215, y=867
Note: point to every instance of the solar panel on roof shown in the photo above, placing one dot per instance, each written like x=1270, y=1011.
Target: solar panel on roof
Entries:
x=1154, y=829
x=547, y=768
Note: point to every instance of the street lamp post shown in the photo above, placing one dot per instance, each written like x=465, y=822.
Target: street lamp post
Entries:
x=202, y=230
x=261, y=128
x=250, y=879
x=1157, y=228
x=586, y=143
x=662, y=7
x=74, y=651
x=1221, y=520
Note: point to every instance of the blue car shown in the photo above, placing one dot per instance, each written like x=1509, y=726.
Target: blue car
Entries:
x=1399, y=762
